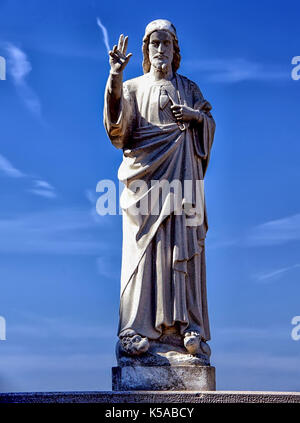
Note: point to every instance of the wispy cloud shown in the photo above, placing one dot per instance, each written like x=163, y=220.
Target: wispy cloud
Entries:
x=43, y=189
x=40, y=187
x=32, y=325
x=275, y=274
x=33, y=362
x=257, y=360
x=43, y=193
x=43, y=185
x=8, y=169
x=59, y=231
x=237, y=70
x=272, y=233
x=251, y=333
x=19, y=67
x=275, y=232
x=105, y=34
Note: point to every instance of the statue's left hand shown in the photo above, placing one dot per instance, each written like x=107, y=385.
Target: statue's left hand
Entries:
x=184, y=113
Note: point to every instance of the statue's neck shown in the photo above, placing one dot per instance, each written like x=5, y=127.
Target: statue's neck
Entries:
x=159, y=74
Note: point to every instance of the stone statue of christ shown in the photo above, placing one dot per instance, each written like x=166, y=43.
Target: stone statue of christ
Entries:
x=166, y=130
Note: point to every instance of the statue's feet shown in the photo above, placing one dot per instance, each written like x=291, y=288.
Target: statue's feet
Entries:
x=133, y=343
x=195, y=344
x=191, y=342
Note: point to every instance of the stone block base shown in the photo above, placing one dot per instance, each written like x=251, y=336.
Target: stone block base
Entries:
x=163, y=378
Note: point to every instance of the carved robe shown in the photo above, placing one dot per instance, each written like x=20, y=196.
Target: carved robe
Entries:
x=163, y=280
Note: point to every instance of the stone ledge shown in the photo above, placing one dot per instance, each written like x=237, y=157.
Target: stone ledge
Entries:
x=161, y=397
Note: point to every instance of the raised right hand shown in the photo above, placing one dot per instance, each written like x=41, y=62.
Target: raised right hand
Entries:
x=117, y=56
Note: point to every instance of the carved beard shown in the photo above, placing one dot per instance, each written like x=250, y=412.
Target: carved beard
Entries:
x=162, y=67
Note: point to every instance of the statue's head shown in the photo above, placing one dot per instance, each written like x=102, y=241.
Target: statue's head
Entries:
x=160, y=46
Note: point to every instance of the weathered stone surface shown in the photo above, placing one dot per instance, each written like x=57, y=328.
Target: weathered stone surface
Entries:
x=168, y=350
x=109, y=397
x=159, y=378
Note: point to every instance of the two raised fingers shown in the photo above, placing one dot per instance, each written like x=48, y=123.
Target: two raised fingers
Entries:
x=119, y=51
x=122, y=44
x=121, y=47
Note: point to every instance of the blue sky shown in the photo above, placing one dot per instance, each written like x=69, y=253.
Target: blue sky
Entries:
x=60, y=262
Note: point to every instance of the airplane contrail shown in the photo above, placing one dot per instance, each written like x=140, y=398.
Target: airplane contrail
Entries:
x=105, y=34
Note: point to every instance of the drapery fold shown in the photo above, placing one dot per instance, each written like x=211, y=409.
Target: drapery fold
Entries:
x=163, y=252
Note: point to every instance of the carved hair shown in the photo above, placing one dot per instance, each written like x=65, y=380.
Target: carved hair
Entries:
x=176, y=53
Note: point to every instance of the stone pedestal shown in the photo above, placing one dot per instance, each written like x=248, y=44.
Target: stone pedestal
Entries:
x=163, y=378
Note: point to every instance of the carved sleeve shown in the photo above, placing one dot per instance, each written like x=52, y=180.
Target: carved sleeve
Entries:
x=204, y=130
x=119, y=132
